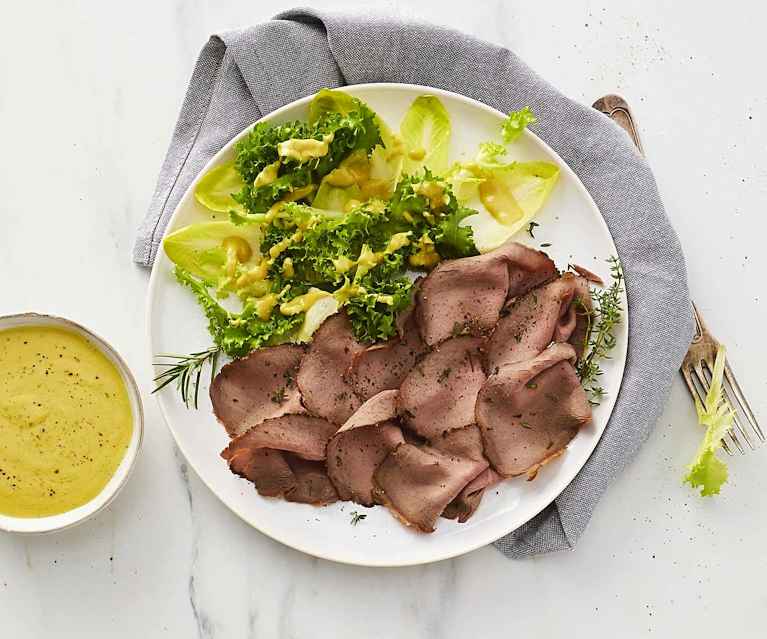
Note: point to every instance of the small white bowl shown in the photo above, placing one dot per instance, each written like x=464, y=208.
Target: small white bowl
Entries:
x=37, y=525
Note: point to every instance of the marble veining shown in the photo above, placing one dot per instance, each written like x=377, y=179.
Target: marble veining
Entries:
x=91, y=93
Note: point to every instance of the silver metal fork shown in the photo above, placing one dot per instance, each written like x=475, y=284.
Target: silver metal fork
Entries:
x=698, y=365
x=697, y=369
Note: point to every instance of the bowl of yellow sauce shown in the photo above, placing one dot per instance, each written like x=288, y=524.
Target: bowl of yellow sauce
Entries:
x=71, y=423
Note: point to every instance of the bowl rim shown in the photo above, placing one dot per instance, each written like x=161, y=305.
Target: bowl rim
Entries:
x=70, y=518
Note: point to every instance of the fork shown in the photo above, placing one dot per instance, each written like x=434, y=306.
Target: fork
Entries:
x=698, y=365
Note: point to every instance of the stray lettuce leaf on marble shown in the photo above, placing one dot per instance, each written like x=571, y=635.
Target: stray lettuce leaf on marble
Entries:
x=707, y=472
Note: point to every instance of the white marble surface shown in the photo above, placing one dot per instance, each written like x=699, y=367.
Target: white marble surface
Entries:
x=90, y=91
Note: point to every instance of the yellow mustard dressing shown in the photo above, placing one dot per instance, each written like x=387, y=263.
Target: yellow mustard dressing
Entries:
x=303, y=303
x=65, y=421
x=434, y=192
x=267, y=175
x=305, y=149
x=500, y=202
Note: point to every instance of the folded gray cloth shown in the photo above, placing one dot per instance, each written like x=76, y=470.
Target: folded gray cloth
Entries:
x=243, y=75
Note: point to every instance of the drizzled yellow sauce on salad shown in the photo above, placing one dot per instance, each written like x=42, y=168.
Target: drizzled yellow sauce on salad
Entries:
x=65, y=421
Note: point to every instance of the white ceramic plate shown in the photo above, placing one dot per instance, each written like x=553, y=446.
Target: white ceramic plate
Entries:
x=573, y=226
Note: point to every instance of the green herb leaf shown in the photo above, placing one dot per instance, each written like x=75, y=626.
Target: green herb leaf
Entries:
x=185, y=371
x=600, y=334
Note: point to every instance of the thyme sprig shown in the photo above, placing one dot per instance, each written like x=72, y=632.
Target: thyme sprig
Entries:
x=186, y=371
x=600, y=333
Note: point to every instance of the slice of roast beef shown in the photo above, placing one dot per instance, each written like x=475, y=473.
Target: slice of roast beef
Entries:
x=529, y=411
x=466, y=442
x=257, y=454
x=361, y=444
x=528, y=268
x=439, y=393
x=257, y=387
x=312, y=484
x=466, y=295
x=417, y=484
x=266, y=468
x=466, y=504
x=322, y=378
x=463, y=442
x=558, y=311
x=384, y=366
x=305, y=435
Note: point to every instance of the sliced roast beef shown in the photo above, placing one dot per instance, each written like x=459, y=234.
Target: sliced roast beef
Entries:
x=258, y=456
x=463, y=442
x=266, y=468
x=466, y=442
x=467, y=502
x=321, y=377
x=379, y=408
x=384, y=366
x=528, y=268
x=361, y=444
x=529, y=411
x=257, y=387
x=438, y=395
x=304, y=435
x=467, y=294
x=557, y=312
x=417, y=484
x=312, y=484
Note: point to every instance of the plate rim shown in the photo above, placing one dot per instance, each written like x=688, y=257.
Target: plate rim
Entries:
x=448, y=553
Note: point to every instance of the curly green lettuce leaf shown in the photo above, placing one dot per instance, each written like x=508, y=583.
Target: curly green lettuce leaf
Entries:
x=237, y=334
x=707, y=472
x=337, y=134
x=216, y=189
x=373, y=314
x=335, y=101
x=258, y=149
x=425, y=131
x=427, y=205
x=206, y=249
x=330, y=244
x=451, y=238
x=516, y=122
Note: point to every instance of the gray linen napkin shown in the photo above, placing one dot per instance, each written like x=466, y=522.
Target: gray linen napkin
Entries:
x=245, y=74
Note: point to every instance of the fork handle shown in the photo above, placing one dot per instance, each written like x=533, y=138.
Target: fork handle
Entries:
x=617, y=109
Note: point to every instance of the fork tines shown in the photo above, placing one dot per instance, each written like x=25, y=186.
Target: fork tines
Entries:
x=697, y=370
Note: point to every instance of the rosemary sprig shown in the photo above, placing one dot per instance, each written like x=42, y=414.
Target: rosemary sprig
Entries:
x=356, y=518
x=185, y=371
x=600, y=335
